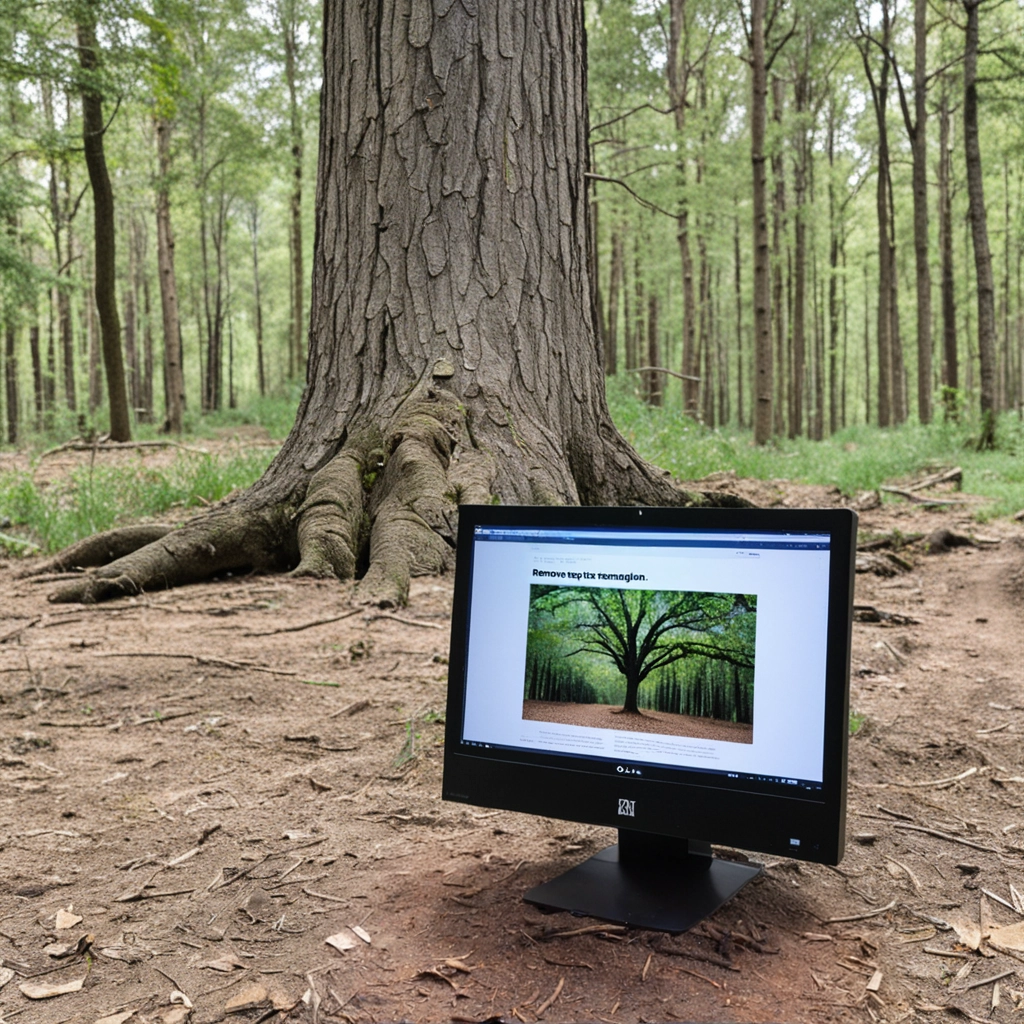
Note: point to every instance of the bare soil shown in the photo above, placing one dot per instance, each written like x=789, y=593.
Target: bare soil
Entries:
x=663, y=723
x=214, y=796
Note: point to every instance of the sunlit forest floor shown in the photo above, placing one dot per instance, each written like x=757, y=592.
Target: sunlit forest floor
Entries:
x=208, y=783
x=601, y=716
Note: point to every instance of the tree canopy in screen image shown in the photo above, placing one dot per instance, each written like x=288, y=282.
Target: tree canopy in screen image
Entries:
x=681, y=652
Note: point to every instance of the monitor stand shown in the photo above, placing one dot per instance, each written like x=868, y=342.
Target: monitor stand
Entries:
x=647, y=881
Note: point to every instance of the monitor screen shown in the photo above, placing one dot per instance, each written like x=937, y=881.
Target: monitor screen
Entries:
x=676, y=672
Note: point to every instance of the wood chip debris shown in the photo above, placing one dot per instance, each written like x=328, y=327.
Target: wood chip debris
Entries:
x=33, y=991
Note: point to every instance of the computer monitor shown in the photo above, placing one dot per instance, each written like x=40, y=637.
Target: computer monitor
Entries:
x=679, y=674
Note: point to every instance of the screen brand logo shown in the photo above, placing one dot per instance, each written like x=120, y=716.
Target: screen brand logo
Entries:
x=627, y=808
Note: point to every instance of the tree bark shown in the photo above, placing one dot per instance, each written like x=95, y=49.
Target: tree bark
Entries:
x=763, y=383
x=174, y=376
x=737, y=283
x=655, y=383
x=985, y=286
x=93, y=129
x=453, y=357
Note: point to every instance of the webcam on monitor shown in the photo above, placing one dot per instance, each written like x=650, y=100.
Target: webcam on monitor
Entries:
x=681, y=675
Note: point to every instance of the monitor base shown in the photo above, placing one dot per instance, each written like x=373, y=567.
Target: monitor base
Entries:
x=647, y=881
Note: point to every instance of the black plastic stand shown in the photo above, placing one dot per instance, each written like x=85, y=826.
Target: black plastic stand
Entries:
x=647, y=881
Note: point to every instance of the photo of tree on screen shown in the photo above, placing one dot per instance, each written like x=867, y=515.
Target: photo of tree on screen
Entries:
x=675, y=662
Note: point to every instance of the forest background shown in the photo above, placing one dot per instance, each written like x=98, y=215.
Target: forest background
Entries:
x=894, y=247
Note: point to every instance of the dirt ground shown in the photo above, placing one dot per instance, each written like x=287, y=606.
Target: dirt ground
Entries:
x=664, y=723
x=199, y=787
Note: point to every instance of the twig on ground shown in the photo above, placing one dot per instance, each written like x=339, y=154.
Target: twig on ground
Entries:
x=199, y=659
x=403, y=620
x=304, y=625
x=937, y=782
x=945, y=835
x=18, y=630
x=551, y=998
x=861, y=917
x=988, y=981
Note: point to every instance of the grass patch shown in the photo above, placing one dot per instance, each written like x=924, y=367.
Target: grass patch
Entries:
x=855, y=459
x=91, y=499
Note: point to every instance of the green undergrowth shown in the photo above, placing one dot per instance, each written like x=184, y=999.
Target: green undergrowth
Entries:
x=855, y=459
x=52, y=515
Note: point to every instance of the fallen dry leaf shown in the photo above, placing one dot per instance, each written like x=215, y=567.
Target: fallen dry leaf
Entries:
x=116, y=1018
x=968, y=931
x=226, y=963
x=1010, y=936
x=175, y=1015
x=180, y=997
x=362, y=933
x=342, y=940
x=67, y=919
x=49, y=991
x=5, y=975
x=246, y=999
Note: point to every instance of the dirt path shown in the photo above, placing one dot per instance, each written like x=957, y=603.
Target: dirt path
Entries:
x=601, y=716
x=214, y=797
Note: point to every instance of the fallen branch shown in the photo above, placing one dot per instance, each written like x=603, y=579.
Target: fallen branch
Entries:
x=120, y=446
x=918, y=500
x=403, y=620
x=936, y=782
x=862, y=917
x=945, y=835
x=14, y=633
x=199, y=659
x=664, y=369
x=551, y=998
x=304, y=625
x=954, y=475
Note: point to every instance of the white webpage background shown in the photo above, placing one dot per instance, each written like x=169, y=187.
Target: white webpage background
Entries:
x=789, y=663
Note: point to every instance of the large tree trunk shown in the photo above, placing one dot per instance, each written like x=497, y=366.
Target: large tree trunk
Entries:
x=979, y=233
x=763, y=383
x=93, y=128
x=453, y=357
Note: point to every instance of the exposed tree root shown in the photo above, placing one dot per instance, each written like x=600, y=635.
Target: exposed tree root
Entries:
x=383, y=506
x=100, y=548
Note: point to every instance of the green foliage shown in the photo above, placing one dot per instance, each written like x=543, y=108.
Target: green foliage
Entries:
x=96, y=498
x=855, y=459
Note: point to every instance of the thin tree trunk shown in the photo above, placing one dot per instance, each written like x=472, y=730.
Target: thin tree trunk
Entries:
x=979, y=232
x=867, y=348
x=919, y=153
x=174, y=378
x=93, y=128
x=763, y=382
x=261, y=374
x=296, y=351
x=11, y=381
x=738, y=282
x=611, y=348
x=655, y=382
x=950, y=362
x=833, y=273
x=778, y=307
x=37, y=374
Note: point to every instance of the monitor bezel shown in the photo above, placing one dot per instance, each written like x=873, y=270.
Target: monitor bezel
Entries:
x=767, y=823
